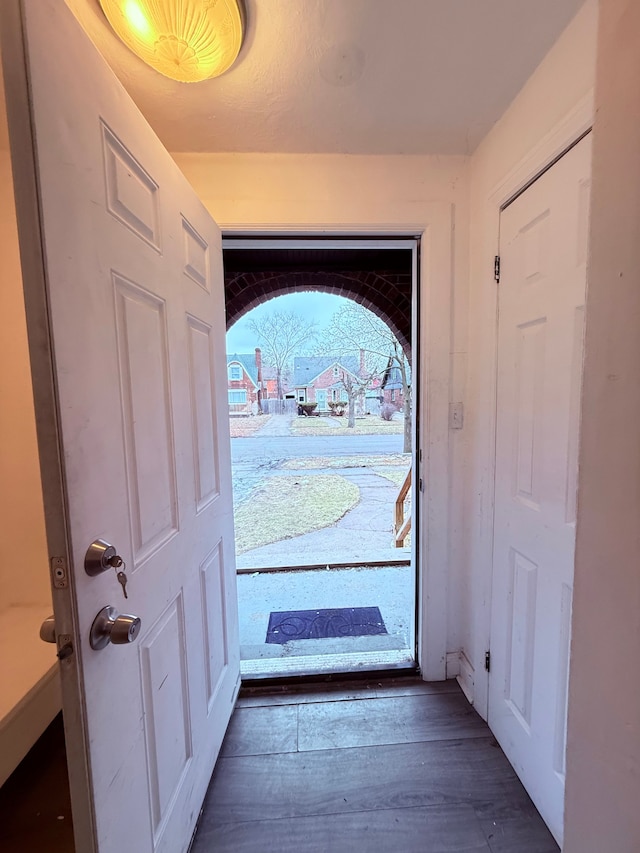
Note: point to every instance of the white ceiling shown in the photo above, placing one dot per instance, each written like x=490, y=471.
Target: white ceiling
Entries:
x=349, y=76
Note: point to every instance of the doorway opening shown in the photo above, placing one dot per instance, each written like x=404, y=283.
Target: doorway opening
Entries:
x=320, y=345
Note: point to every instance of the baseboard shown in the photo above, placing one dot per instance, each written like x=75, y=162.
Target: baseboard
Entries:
x=465, y=676
x=453, y=664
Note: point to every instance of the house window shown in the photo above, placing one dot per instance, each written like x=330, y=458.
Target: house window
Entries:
x=302, y=395
x=237, y=397
x=235, y=372
x=336, y=372
x=393, y=396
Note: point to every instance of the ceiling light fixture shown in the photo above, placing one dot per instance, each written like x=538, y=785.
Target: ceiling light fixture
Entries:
x=187, y=40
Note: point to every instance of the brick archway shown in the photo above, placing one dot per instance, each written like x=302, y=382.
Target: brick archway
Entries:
x=386, y=294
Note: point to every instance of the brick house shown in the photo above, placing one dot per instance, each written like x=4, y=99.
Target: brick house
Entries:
x=270, y=383
x=244, y=382
x=391, y=386
x=318, y=379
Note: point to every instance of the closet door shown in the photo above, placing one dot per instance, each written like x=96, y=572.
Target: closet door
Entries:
x=125, y=305
x=543, y=237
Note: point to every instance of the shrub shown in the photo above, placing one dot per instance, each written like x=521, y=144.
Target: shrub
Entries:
x=387, y=411
x=306, y=408
x=338, y=408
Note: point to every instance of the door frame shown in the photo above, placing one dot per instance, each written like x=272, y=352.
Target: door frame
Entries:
x=48, y=430
x=562, y=137
x=431, y=316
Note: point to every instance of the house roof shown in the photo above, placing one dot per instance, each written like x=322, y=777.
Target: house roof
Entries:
x=308, y=368
x=392, y=378
x=248, y=362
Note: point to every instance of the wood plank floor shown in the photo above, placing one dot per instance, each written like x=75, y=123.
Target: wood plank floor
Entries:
x=398, y=766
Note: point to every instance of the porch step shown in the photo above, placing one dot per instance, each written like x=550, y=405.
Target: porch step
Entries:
x=351, y=662
x=325, y=646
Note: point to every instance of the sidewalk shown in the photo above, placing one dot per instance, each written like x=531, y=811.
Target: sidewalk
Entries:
x=276, y=425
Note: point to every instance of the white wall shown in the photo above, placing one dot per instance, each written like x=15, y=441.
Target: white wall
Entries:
x=322, y=188
x=537, y=125
x=603, y=754
x=24, y=577
x=370, y=194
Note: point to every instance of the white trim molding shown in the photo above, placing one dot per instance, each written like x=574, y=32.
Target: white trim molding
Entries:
x=435, y=288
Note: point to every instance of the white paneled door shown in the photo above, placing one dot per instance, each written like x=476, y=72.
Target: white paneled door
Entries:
x=543, y=238
x=134, y=288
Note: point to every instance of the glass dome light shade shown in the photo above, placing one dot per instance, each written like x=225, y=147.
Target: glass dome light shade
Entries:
x=187, y=40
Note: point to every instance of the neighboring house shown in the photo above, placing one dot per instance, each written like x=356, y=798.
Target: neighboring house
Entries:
x=270, y=383
x=244, y=382
x=373, y=399
x=319, y=379
x=392, y=387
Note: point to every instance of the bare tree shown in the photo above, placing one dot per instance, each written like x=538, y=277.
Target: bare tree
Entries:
x=355, y=328
x=283, y=334
x=355, y=388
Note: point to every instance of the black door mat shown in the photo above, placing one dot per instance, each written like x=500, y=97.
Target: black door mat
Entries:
x=321, y=624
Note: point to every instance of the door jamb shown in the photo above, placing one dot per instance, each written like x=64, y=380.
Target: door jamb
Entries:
x=575, y=124
x=434, y=297
x=54, y=489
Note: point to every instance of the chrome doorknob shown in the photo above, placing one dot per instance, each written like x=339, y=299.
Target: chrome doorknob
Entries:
x=111, y=627
x=48, y=630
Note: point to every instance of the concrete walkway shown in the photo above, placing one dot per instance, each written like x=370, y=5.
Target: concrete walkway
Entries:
x=276, y=425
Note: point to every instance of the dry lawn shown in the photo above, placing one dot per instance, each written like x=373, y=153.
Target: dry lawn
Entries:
x=244, y=427
x=284, y=507
x=361, y=461
x=372, y=425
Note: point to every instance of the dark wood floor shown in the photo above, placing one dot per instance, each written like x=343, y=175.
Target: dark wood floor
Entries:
x=35, y=805
x=402, y=767
x=397, y=766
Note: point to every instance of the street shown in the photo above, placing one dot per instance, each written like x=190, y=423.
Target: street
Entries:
x=266, y=450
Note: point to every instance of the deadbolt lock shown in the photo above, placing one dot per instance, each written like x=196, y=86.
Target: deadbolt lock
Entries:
x=101, y=557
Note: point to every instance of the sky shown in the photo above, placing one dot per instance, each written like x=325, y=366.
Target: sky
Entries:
x=313, y=306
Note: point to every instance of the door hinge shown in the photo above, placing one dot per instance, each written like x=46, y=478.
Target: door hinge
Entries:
x=487, y=661
x=496, y=269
